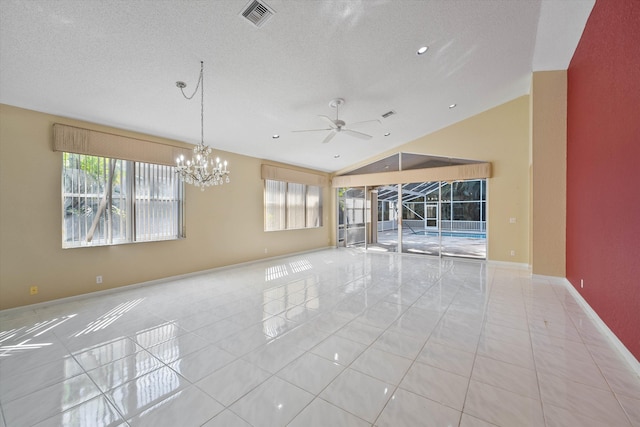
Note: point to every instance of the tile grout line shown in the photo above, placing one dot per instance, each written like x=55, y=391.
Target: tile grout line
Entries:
x=414, y=361
x=533, y=357
x=475, y=355
x=534, y=307
x=624, y=411
x=364, y=350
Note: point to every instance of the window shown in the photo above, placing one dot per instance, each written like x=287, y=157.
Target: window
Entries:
x=290, y=205
x=111, y=201
x=314, y=206
x=464, y=201
x=275, y=205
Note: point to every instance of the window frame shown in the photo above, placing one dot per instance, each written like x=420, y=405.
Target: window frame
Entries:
x=132, y=202
x=289, y=210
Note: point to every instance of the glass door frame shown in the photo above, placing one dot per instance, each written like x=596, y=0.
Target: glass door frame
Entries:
x=348, y=212
x=427, y=207
x=367, y=231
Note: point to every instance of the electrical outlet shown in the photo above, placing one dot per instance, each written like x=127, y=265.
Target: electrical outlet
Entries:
x=512, y=220
x=98, y=279
x=266, y=250
x=512, y=253
x=33, y=290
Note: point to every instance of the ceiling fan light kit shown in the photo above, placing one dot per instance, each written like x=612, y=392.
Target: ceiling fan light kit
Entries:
x=339, y=126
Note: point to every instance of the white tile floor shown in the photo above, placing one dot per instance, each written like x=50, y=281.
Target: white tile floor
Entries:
x=336, y=337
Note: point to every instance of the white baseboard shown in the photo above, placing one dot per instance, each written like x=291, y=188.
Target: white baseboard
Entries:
x=630, y=358
x=151, y=282
x=557, y=280
x=509, y=264
x=624, y=351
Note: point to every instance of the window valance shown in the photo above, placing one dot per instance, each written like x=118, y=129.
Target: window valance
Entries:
x=276, y=173
x=72, y=139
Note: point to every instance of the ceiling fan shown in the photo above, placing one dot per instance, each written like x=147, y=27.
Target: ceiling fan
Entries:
x=338, y=126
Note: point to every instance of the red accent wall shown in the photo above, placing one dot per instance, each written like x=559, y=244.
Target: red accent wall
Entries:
x=603, y=167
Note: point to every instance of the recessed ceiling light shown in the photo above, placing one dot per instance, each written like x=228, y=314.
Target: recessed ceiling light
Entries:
x=452, y=106
x=387, y=134
x=336, y=156
x=422, y=50
x=276, y=136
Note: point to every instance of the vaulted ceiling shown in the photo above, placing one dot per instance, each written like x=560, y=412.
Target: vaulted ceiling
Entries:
x=116, y=63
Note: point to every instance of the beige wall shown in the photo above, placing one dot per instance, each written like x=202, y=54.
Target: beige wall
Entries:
x=549, y=172
x=224, y=225
x=499, y=136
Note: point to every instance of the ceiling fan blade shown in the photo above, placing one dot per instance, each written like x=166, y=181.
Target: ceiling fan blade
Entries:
x=312, y=130
x=331, y=122
x=329, y=137
x=356, y=134
x=366, y=121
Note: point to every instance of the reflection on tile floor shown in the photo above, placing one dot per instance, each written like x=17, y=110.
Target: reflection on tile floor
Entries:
x=334, y=337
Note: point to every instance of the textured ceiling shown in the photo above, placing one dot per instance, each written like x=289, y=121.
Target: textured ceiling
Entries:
x=116, y=63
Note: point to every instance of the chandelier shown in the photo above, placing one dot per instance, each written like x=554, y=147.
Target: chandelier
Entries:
x=201, y=170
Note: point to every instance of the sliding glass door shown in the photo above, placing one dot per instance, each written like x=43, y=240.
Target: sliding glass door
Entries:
x=429, y=218
x=463, y=212
x=384, y=225
x=351, y=217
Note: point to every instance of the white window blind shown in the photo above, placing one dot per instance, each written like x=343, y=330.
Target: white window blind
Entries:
x=290, y=205
x=296, y=205
x=158, y=202
x=112, y=201
x=275, y=197
x=313, y=206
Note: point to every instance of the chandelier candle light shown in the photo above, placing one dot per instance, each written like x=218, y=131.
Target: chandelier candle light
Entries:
x=201, y=171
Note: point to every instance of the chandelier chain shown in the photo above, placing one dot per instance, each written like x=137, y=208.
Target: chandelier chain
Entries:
x=201, y=170
x=197, y=86
x=200, y=85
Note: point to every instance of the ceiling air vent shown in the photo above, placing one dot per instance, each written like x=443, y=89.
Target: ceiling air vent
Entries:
x=257, y=13
x=388, y=113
